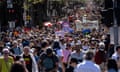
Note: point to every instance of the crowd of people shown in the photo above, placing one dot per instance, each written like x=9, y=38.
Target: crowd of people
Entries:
x=57, y=49
x=38, y=50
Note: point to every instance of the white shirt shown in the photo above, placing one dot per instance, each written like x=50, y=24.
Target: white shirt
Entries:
x=72, y=43
x=63, y=46
x=115, y=56
x=87, y=66
x=78, y=56
x=59, y=53
x=85, y=47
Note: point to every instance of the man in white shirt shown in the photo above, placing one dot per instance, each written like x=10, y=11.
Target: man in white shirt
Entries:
x=88, y=65
x=116, y=55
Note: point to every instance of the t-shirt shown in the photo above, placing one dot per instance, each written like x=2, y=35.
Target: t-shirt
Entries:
x=78, y=56
x=16, y=51
x=5, y=66
x=59, y=53
x=87, y=66
x=28, y=62
x=66, y=54
x=112, y=70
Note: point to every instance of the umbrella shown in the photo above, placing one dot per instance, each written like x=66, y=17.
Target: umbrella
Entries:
x=48, y=24
x=59, y=22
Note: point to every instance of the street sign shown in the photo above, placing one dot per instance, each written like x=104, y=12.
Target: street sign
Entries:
x=11, y=24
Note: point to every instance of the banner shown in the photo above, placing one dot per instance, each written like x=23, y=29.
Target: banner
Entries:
x=65, y=26
x=88, y=25
x=60, y=33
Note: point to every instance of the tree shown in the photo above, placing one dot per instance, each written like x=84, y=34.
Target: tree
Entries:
x=3, y=15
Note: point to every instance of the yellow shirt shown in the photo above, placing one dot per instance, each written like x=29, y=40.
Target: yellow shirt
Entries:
x=5, y=66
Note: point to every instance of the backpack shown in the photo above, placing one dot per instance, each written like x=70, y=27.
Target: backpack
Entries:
x=49, y=62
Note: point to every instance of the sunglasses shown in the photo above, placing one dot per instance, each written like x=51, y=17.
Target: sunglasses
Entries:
x=5, y=53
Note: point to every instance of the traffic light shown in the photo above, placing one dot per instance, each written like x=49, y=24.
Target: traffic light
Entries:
x=103, y=12
x=11, y=15
x=11, y=11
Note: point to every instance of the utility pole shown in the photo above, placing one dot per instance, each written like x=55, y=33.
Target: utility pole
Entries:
x=0, y=26
x=115, y=27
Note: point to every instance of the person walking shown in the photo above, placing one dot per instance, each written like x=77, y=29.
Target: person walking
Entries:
x=18, y=67
x=29, y=59
x=112, y=66
x=48, y=61
x=6, y=61
x=88, y=65
x=116, y=56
